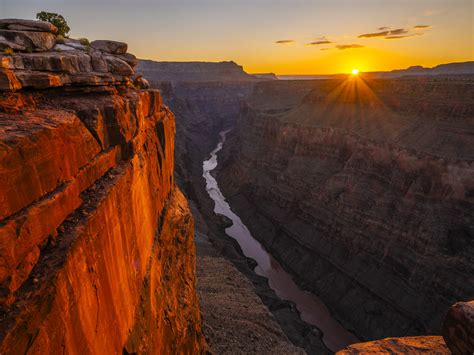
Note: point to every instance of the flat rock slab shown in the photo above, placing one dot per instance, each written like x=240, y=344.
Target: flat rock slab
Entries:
x=27, y=25
x=32, y=41
x=405, y=345
x=110, y=46
x=4, y=44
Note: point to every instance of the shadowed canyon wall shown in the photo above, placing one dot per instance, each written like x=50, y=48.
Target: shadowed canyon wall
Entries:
x=364, y=191
x=96, y=241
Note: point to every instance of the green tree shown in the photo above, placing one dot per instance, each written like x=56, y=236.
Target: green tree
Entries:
x=55, y=19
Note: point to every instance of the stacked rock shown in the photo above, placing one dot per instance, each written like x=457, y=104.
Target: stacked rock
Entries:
x=34, y=57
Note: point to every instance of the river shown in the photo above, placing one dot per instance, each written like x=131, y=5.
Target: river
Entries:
x=310, y=307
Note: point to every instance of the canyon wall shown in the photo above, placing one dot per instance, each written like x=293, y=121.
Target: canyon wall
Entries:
x=364, y=192
x=205, y=98
x=96, y=241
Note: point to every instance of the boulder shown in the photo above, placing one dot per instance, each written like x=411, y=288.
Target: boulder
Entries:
x=39, y=80
x=118, y=66
x=458, y=328
x=110, y=46
x=27, y=25
x=129, y=58
x=99, y=64
x=32, y=41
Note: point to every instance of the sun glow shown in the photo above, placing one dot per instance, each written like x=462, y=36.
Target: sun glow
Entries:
x=355, y=71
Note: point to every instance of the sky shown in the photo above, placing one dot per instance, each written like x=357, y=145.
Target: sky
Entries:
x=279, y=36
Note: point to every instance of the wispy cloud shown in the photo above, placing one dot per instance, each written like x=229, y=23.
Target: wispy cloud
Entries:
x=404, y=36
x=421, y=26
x=348, y=46
x=383, y=28
x=398, y=33
x=374, y=34
x=285, y=41
x=319, y=42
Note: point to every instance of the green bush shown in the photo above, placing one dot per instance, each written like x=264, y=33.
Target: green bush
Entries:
x=55, y=19
x=84, y=42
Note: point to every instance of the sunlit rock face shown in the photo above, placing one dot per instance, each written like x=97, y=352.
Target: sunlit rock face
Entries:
x=96, y=241
x=364, y=191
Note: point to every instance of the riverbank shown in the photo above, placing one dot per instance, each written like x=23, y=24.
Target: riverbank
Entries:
x=285, y=313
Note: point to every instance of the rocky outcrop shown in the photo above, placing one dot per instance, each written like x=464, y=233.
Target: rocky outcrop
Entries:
x=458, y=337
x=96, y=241
x=406, y=345
x=364, y=192
x=458, y=328
x=41, y=61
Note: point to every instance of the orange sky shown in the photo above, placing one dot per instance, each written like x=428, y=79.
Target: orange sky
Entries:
x=246, y=31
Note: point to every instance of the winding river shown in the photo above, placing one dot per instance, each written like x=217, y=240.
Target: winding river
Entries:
x=310, y=307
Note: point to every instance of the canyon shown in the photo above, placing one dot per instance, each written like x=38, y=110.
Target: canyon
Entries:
x=362, y=190
x=337, y=211
x=252, y=112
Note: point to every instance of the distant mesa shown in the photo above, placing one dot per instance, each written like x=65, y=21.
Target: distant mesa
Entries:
x=193, y=71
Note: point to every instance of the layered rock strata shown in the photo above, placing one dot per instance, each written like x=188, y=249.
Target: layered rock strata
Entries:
x=96, y=241
x=41, y=60
x=364, y=191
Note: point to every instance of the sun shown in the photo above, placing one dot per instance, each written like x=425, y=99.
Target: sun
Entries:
x=355, y=71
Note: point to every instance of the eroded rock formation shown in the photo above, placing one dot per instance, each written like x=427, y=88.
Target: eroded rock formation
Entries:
x=364, y=191
x=96, y=241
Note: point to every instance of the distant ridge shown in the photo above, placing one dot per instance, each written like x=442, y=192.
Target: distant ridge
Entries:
x=460, y=68
x=193, y=71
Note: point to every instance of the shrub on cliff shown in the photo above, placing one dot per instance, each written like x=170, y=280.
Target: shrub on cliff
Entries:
x=84, y=42
x=55, y=19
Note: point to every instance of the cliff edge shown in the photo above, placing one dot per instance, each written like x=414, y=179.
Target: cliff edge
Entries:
x=96, y=241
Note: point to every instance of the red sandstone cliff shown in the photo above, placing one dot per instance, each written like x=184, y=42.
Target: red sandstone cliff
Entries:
x=96, y=241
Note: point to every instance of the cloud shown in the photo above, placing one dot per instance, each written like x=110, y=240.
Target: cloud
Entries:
x=398, y=31
x=325, y=49
x=403, y=36
x=285, y=41
x=374, y=34
x=319, y=42
x=421, y=26
x=348, y=46
x=383, y=28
